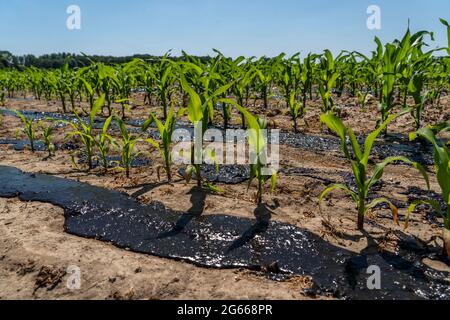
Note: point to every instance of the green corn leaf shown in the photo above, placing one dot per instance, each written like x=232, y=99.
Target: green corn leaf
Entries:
x=336, y=125
x=340, y=187
x=195, y=112
x=445, y=23
x=97, y=107
x=379, y=169
x=371, y=139
x=153, y=143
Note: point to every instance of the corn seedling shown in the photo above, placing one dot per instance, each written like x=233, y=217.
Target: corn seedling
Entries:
x=104, y=142
x=127, y=143
x=442, y=167
x=258, y=148
x=362, y=98
x=85, y=131
x=47, y=132
x=242, y=79
x=327, y=80
x=265, y=74
x=164, y=79
x=166, y=132
x=395, y=66
x=199, y=109
x=359, y=162
x=306, y=78
x=28, y=128
x=297, y=109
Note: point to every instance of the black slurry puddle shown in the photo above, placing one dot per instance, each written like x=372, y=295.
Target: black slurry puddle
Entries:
x=228, y=174
x=20, y=145
x=221, y=241
x=115, y=161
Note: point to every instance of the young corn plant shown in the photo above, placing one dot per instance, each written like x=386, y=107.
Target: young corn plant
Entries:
x=297, y=110
x=28, y=129
x=85, y=131
x=327, y=80
x=86, y=86
x=199, y=109
x=289, y=81
x=420, y=98
x=306, y=78
x=359, y=159
x=242, y=79
x=442, y=167
x=265, y=73
x=258, y=148
x=127, y=143
x=164, y=79
x=47, y=132
x=165, y=131
x=362, y=98
x=395, y=62
x=104, y=142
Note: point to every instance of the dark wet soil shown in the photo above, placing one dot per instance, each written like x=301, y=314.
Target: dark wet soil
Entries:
x=228, y=174
x=20, y=145
x=222, y=241
x=388, y=146
x=115, y=161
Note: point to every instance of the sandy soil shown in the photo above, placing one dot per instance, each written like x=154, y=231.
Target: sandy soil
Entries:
x=34, y=250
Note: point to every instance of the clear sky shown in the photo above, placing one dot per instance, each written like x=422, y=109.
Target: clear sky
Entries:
x=236, y=27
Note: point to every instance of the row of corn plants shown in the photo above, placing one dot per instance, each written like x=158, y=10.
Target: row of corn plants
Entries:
x=394, y=72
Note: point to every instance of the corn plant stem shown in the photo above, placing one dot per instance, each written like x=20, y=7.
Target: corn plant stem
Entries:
x=167, y=163
x=123, y=110
x=63, y=102
x=361, y=212
x=241, y=103
x=198, y=174
x=89, y=158
x=447, y=221
x=260, y=183
x=105, y=165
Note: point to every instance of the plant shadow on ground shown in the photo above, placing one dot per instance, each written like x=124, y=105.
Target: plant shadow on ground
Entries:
x=147, y=187
x=404, y=264
x=198, y=201
x=263, y=216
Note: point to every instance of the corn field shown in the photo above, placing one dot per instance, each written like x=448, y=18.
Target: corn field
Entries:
x=119, y=114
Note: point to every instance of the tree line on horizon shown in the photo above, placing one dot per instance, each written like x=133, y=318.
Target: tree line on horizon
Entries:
x=58, y=60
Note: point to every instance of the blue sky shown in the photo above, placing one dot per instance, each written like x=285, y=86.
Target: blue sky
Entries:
x=236, y=27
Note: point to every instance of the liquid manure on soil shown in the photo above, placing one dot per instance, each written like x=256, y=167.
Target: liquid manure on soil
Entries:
x=222, y=241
